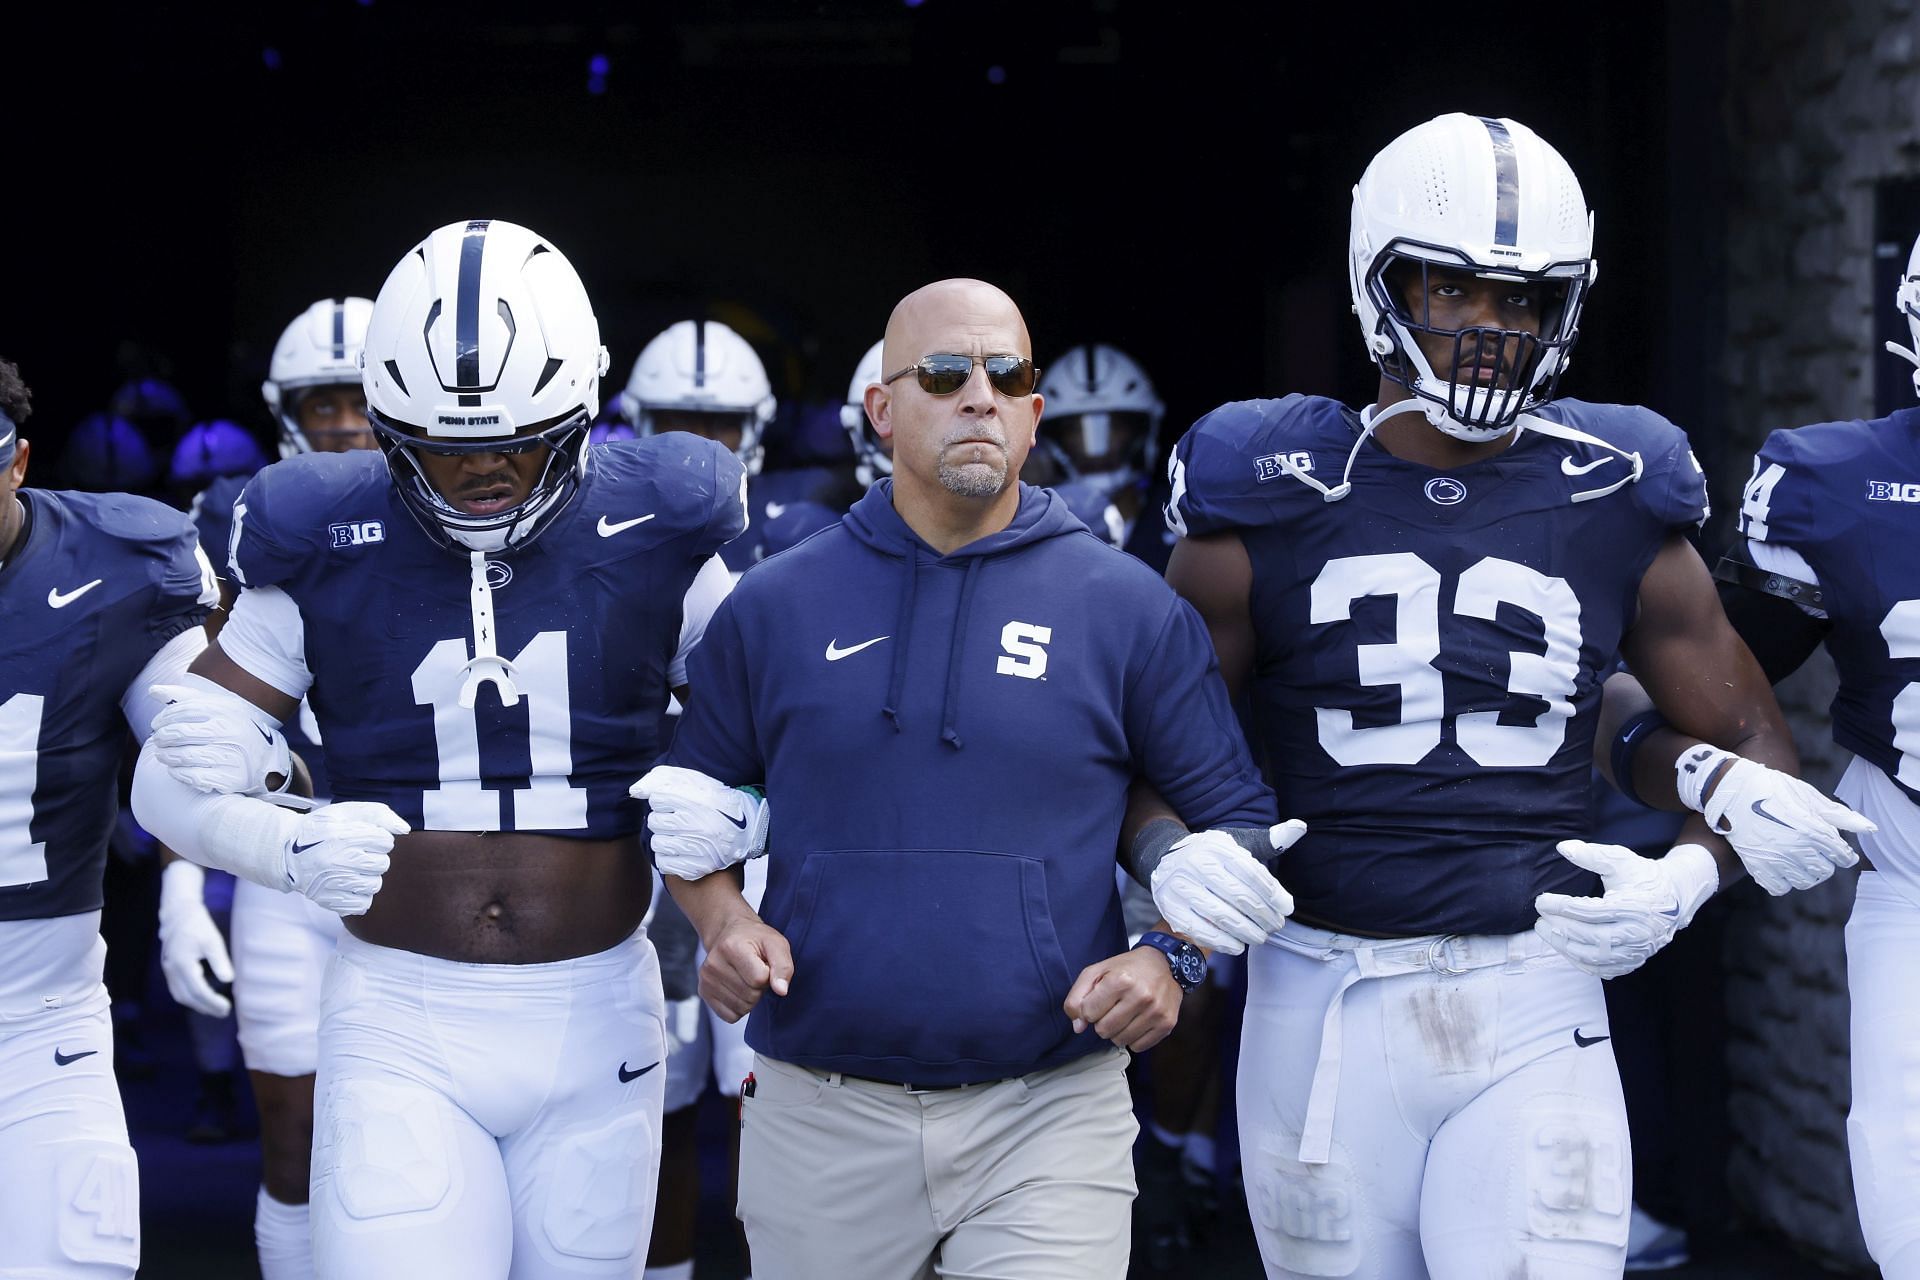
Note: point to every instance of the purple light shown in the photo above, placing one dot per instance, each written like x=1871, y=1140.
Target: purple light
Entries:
x=270, y=56
x=597, y=74
x=913, y=4
x=996, y=75
x=597, y=64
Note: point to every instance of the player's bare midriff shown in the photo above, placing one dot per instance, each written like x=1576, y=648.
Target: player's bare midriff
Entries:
x=507, y=897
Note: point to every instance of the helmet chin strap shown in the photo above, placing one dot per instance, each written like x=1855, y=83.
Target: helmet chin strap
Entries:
x=1912, y=358
x=1370, y=419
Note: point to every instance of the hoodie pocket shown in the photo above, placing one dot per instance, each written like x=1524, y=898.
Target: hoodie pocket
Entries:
x=922, y=956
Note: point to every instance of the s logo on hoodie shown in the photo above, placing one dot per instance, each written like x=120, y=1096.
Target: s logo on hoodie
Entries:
x=1024, y=655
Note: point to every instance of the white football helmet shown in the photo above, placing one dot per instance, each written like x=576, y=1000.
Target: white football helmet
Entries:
x=1487, y=196
x=702, y=367
x=1088, y=390
x=872, y=459
x=482, y=340
x=321, y=348
x=1907, y=300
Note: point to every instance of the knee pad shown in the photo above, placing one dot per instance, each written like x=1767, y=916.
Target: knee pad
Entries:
x=97, y=1189
x=1577, y=1171
x=600, y=1189
x=386, y=1149
x=1304, y=1214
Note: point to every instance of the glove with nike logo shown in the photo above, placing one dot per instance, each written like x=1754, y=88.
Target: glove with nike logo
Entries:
x=214, y=740
x=337, y=854
x=1646, y=901
x=1214, y=887
x=1788, y=834
x=696, y=825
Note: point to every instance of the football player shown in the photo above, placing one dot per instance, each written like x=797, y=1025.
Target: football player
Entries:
x=702, y=377
x=281, y=941
x=1825, y=557
x=1103, y=430
x=104, y=595
x=1419, y=598
x=873, y=456
x=497, y=614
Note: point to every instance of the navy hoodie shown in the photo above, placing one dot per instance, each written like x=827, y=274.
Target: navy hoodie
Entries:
x=947, y=743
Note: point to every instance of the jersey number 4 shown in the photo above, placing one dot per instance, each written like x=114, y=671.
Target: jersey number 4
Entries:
x=460, y=803
x=1408, y=661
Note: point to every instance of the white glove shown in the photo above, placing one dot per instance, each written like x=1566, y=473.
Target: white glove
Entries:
x=1647, y=901
x=214, y=740
x=188, y=935
x=1786, y=833
x=337, y=854
x=1212, y=889
x=699, y=826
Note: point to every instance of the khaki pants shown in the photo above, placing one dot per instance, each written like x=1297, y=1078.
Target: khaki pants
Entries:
x=1023, y=1179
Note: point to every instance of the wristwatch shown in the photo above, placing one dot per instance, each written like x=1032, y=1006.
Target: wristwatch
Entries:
x=1189, y=964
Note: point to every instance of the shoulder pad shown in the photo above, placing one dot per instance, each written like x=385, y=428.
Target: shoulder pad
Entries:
x=796, y=522
x=282, y=516
x=1232, y=466
x=1787, y=497
x=692, y=485
x=1672, y=488
x=162, y=539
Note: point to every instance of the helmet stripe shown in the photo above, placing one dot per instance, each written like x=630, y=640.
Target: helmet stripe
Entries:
x=1506, y=170
x=466, y=313
x=699, y=353
x=1093, y=378
x=339, y=330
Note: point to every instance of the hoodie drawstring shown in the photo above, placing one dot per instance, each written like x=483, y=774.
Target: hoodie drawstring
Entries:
x=949, y=704
x=902, y=638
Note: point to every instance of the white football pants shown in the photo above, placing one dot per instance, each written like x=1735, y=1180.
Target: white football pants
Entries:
x=69, y=1187
x=1883, y=954
x=1442, y=1107
x=487, y=1120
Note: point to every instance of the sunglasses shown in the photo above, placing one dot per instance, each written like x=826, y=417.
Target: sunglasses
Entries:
x=942, y=375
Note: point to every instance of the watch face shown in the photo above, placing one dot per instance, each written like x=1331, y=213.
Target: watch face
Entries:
x=1192, y=966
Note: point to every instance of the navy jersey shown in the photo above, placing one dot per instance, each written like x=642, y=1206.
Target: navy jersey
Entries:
x=770, y=497
x=1430, y=649
x=99, y=583
x=212, y=514
x=588, y=615
x=1846, y=496
x=1148, y=540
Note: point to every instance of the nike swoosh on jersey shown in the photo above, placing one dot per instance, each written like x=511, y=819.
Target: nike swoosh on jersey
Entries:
x=626, y=1075
x=835, y=652
x=608, y=530
x=1587, y=1041
x=775, y=510
x=58, y=601
x=63, y=1059
x=1567, y=465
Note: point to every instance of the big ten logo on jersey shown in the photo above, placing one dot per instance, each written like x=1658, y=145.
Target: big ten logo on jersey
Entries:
x=1275, y=465
x=1892, y=491
x=357, y=533
x=1025, y=653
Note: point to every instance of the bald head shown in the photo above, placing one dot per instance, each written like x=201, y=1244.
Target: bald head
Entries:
x=953, y=308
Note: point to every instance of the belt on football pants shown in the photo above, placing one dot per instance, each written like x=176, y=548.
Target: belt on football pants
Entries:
x=1445, y=954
